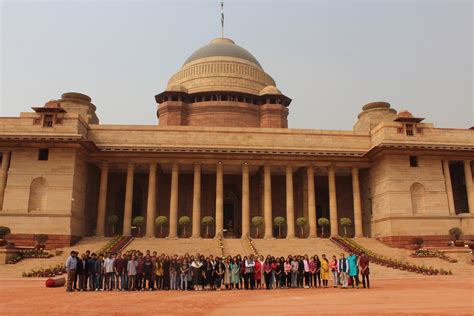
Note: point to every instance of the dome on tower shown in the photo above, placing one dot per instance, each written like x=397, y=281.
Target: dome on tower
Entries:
x=221, y=65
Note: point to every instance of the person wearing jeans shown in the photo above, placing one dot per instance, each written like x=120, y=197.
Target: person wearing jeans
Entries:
x=109, y=263
x=71, y=264
x=132, y=273
x=184, y=269
x=364, y=270
x=343, y=268
x=294, y=272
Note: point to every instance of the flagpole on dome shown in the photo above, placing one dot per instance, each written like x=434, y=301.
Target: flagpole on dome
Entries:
x=222, y=18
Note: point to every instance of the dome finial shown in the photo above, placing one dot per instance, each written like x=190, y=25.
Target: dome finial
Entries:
x=222, y=18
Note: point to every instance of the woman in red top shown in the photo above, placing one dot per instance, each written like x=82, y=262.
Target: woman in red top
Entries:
x=267, y=272
x=257, y=274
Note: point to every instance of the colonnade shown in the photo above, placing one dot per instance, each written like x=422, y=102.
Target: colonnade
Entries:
x=219, y=201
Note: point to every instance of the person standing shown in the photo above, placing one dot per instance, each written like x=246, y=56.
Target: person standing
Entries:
x=353, y=269
x=91, y=271
x=196, y=267
x=317, y=274
x=99, y=273
x=184, y=269
x=324, y=272
x=343, y=269
x=249, y=273
x=159, y=273
x=227, y=274
x=278, y=270
x=334, y=271
x=257, y=275
x=287, y=273
x=148, y=272
x=235, y=273
x=267, y=273
x=294, y=272
x=81, y=271
x=219, y=271
x=307, y=272
x=109, y=263
x=132, y=273
x=364, y=269
x=120, y=267
x=71, y=265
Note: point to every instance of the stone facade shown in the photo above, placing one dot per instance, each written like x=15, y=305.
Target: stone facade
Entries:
x=226, y=152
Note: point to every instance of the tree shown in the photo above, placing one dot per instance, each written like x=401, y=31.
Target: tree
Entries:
x=279, y=221
x=345, y=221
x=161, y=221
x=301, y=222
x=112, y=220
x=138, y=221
x=183, y=221
x=257, y=221
x=208, y=221
x=455, y=233
x=323, y=221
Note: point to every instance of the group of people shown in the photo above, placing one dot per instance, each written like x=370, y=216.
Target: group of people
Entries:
x=135, y=271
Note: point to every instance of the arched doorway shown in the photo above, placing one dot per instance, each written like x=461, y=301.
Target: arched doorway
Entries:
x=417, y=198
x=38, y=195
x=232, y=221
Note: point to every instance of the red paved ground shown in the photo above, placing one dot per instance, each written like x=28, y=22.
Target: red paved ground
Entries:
x=417, y=296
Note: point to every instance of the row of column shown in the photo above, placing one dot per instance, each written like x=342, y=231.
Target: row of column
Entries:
x=219, y=215
x=449, y=186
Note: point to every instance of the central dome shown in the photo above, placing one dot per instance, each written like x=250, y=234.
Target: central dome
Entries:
x=221, y=65
x=222, y=47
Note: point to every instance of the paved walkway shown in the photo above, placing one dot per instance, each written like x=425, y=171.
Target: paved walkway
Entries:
x=414, y=296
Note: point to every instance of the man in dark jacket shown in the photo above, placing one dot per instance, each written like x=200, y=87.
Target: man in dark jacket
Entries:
x=99, y=273
x=82, y=272
x=91, y=271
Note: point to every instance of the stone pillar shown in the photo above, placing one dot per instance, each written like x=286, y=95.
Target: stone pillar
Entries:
x=333, y=201
x=311, y=203
x=469, y=187
x=127, y=213
x=3, y=176
x=267, y=207
x=245, y=200
x=197, y=202
x=290, y=204
x=101, y=209
x=219, y=198
x=356, y=201
x=449, y=187
x=151, y=202
x=173, y=233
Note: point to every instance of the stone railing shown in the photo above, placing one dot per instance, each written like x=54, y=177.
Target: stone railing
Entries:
x=251, y=245
x=220, y=243
x=348, y=244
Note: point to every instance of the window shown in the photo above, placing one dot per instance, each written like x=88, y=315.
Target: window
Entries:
x=413, y=161
x=48, y=121
x=409, y=130
x=43, y=154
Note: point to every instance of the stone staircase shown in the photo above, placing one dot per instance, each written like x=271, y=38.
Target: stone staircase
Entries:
x=237, y=247
x=86, y=243
x=460, y=268
x=178, y=246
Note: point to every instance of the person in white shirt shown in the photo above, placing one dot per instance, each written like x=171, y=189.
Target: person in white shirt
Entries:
x=109, y=272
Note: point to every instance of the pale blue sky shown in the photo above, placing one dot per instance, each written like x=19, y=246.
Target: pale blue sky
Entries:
x=330, y=57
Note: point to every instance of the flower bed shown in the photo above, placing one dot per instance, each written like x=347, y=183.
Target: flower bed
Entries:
x=350, y=245
x=427, y=253
x=51, y=271
x=29, y=253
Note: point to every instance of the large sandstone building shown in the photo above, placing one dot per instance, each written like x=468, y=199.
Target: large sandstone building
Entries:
x=222, y=148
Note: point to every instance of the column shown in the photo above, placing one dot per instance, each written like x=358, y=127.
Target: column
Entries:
x=311, y=203
x=3, y=176
x=356, y=201
x=197, y=202
x=333, y=201
x=101, y=209
x=290, y=204
x=245, y=200
x=219, y=198
x=151, y=202
x=127, y=213
x=449, y=187
x=469, y=187
x=173, y=233
x=267, y=207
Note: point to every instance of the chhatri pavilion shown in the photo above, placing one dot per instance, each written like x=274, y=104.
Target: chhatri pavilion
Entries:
x=221, y=147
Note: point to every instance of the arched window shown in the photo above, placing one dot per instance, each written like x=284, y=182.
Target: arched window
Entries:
x=417, y=192
x=38, y=195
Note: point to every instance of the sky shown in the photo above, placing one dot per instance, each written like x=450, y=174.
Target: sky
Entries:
x=330, y=57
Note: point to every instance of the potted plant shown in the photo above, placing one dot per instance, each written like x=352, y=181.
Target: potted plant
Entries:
x=455, y=234
x=207, y=221
x=417, y=242
x=112, y=220
x=184, y=221
x=279, y=221
x=41, y=240
x=345, y=221
x=139, y=221
x=161, y=221
x=323, y=222
x=257, y=221
x=301, y=222
x=3, y=232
